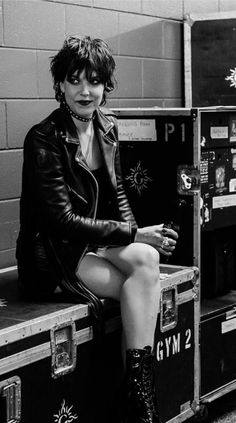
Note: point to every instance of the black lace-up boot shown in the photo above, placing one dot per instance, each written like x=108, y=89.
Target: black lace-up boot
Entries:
x=140, y=388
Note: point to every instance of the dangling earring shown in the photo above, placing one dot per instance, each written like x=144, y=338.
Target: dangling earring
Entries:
x=58, y=91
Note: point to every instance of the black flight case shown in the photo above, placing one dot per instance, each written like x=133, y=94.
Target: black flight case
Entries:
x=179, y=168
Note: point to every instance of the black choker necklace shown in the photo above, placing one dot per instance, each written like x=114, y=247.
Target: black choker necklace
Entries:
x=81, y=118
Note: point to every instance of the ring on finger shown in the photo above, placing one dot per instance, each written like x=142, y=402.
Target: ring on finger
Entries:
x=165, y=242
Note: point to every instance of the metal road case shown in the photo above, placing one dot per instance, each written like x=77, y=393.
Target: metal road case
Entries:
x=162, y=182
x=209, y=59
x=160, y=178
x=50, y=366
x=160, y=167
x=218, y=351
x=179, y=166
x=177, y=344
x=52, y=371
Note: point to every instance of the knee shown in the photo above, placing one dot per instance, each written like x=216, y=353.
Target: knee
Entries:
x=146, y=260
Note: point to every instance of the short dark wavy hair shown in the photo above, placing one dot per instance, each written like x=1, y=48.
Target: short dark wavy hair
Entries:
x=78, y=54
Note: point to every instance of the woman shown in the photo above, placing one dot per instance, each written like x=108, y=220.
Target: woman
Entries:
x=77, y=228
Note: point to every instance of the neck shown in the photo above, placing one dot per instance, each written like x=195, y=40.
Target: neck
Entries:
x=82, y=127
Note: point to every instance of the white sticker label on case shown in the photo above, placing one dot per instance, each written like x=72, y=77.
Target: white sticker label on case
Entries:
x=137, y=130
x=224, y=201
x=228, y=325
x=232, y=185
x=219, y=132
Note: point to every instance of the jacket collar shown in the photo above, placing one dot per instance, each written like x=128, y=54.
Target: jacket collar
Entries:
x=104, y=122
x=66, y=127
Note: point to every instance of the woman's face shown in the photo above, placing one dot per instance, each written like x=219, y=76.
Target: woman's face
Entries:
x=81, y=95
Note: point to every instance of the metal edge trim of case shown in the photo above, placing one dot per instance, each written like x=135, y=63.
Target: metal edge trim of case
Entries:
x=32, y=355
x=38, y=325
x=182, y=416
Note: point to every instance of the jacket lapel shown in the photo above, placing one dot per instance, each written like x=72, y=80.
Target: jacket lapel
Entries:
x=107, y=143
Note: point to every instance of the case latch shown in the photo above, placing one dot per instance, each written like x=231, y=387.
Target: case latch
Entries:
x=188, y=180
x=10, y=390
x=168, y=308
x=63, y=347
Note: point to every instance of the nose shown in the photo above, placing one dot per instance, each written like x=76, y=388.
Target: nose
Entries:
x=84, y=89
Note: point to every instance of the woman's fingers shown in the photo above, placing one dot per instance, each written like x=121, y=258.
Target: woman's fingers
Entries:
x=170, y=232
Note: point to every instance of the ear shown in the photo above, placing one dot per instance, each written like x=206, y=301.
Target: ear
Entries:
x=62, y=88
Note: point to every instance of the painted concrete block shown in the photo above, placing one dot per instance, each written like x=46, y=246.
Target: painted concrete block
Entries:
x=170, y=9
x=30, y=24
x=14, y=231
x=10, y=174
x=162, y=78
x=88, y=3
x=7, y=258
x=227, y=5
x=129, y=78
x=173, y=102
x=45, y=81
x=140, y=36
x=3, y=134
x=1, y=24
x=201, y=6
x=112, y=103
x=134, y=6
x=5, y=238
x=22, y=115
x=98, y=23
x=18, y=76
x=173, y=40
x=141, y=102
x=9, y=211
x=9, y=233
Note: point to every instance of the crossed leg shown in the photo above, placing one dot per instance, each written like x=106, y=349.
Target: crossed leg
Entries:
x=129, y=274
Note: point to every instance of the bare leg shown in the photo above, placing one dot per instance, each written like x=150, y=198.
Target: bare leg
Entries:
x=129, y=274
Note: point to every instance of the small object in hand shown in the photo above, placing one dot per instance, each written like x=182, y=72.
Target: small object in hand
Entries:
x=165, y=242
x=170, y=225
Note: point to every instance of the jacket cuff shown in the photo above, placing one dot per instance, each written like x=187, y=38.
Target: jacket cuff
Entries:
x=133, y=232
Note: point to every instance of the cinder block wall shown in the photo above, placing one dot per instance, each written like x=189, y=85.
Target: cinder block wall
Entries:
x=146, y=39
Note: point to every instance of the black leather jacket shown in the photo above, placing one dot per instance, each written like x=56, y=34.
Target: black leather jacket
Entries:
x=59, y=200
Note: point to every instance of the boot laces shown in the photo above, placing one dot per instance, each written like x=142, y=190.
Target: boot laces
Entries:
x=144, y=389
x=148, y=385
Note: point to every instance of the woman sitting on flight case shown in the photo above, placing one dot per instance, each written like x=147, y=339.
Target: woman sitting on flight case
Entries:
x=77, y=229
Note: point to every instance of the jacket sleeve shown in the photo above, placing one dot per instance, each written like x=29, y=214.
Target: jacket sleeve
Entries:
x=43, y=161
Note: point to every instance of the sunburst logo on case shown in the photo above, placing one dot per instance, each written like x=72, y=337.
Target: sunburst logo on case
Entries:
x=138, y=178
x=65, y=414
x=232, y=78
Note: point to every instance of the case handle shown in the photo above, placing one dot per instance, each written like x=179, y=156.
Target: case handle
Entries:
x=188, y=180
x=63, y=347
x=10, y=390
x=168, y=308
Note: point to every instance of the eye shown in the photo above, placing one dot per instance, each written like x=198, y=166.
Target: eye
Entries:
x=95, y=81
x=73, y=80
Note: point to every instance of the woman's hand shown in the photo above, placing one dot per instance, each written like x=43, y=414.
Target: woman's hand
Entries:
x=160, y=237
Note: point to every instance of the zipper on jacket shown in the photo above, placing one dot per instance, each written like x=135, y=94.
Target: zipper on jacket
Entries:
x=88, y=170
